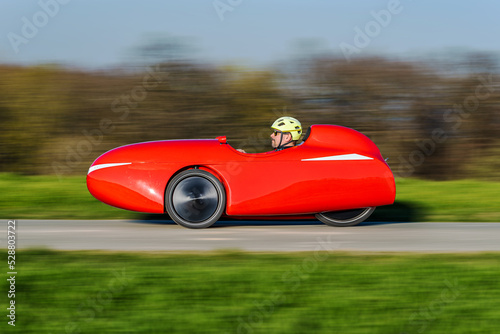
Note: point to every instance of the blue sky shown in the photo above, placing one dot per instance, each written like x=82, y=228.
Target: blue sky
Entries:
x=100, y=33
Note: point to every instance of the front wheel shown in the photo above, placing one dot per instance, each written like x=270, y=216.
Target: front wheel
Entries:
x=346, y=217
x=195, y=199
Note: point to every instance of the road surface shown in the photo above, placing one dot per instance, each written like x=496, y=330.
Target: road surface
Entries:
x=126, y=235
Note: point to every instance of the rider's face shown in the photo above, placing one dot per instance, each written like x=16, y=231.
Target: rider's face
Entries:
x=278, y=136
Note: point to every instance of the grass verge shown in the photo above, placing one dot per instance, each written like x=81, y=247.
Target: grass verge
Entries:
x=235, y=292
x=47, y=197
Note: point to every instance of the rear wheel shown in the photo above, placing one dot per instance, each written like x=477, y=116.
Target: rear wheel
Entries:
x=346, y=217
x=195, y=199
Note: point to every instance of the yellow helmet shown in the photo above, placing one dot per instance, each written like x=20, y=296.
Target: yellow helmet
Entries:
x=288, y=124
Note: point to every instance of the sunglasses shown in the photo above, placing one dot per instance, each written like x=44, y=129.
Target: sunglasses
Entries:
x=276, y=132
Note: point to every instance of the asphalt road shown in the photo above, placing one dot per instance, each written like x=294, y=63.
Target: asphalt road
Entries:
x=255, y=236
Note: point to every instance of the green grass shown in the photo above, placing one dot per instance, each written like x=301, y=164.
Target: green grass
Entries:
x=47, y=197
x=448, y=201
x=234, y=292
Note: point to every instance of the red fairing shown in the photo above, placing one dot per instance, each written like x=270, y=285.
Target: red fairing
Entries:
x=134, y=177
x=336, y=168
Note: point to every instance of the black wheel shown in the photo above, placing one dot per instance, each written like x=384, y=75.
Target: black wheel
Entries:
x=346, y=217
x=195, y=199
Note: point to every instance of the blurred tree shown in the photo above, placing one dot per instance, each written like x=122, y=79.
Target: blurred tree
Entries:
x=58, y=120
x=164, y=48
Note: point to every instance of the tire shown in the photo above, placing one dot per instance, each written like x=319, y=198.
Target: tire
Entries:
x=195, y=199
x=346, y=217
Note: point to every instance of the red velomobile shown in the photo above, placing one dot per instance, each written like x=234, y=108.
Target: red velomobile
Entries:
x=336, y=175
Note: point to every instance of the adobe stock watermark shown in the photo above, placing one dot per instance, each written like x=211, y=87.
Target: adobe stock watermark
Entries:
x=223, y=6
x=420, y=320
x=291, y=281
x=456, y=115
x=121, y=107
x=371, y=30
x=32, y=25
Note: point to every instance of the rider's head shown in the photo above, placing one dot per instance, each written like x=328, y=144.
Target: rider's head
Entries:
x=287, y=131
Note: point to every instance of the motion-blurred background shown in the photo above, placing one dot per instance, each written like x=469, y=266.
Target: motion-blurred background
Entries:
x=420, y=78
